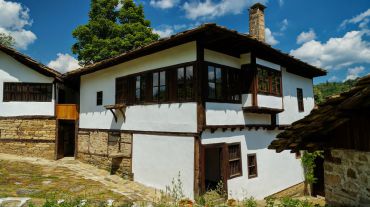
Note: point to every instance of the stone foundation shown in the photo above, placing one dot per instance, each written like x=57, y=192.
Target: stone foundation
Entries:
x=109, y=150
x=347, y=178
x=28, y=136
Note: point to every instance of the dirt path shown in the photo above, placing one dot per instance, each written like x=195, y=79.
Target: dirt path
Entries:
x=131, y=190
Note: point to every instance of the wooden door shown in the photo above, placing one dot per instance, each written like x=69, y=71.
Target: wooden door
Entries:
x=60, y=141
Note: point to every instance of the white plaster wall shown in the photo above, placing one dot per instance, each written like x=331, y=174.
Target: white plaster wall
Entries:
x=276, y=171
x=13, y=71
x=232, y=114
x=268, y=64
x=159, y=159
x=222, y=59
x=273, y=102
x=290, y=84
x=247, y=99
x=164, y=117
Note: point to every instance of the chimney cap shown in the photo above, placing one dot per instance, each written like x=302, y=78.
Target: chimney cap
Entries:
x=258, y=6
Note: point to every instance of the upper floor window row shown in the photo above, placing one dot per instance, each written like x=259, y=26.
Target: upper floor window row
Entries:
x=223, y=84
x=168, y=85
x=268, y=81
x=27, y=92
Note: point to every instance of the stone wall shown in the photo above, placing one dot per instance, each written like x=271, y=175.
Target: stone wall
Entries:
x=347, y=178
x=109, y=150
x=28, y=136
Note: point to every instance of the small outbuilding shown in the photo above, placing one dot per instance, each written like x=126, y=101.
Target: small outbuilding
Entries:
x=341, y=128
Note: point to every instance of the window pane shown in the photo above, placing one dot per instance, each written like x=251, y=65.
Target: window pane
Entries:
x=211, y=90
x=218, y=75
x=137, y=82
x=155, y=79
x=155, y=93
x=218, y=90
x=189, y=73
x=163, y=78
x=211, y=73
x=162, y=93
x=180, y=74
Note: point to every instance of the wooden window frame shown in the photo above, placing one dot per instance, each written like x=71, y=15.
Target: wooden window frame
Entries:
x=125, y=91
x=272, y=75
x=254, y=155
x=300, y=100
x=185, y=84
x=159, y=85
x=235, y=159
x=99, y=98
x=27, y=92
x=229, y=89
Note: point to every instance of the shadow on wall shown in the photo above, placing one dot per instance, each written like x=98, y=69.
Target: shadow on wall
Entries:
x=254, y=140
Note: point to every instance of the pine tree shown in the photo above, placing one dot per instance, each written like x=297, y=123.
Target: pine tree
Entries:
x=111, y=31
x=6, y=40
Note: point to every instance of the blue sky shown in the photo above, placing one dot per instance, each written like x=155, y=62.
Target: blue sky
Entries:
x=332, y=34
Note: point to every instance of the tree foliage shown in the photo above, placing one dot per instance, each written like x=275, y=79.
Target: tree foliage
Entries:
x=6, y=40
x=111, y=30
x=323, y=91
x=308, y=163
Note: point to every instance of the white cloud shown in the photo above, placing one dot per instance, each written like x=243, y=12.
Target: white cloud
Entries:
x=333, y=79
x=269, y=37
x=336, y=53
x=165, y=32
x=353, y=73
x=361, y=18
x=13, y=18
x=64, y=63
x=306, y=36
x=210, y=9
x=164, y=4
x=284, y=25
x=168, y=30
x=281, y=3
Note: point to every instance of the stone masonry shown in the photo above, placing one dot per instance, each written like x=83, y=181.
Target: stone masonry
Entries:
x=347, y=180
x=34, y=137
x=109, y=150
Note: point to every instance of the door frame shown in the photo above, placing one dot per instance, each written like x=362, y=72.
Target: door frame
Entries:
x=223, y=161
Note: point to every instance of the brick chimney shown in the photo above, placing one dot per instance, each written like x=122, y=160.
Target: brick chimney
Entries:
x=257, y=21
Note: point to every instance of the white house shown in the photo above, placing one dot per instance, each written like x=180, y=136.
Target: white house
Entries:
x=204, y=103
x=30, y=95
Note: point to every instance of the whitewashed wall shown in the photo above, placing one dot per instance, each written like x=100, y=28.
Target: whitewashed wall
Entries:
x=290, y=84
x=222, y=59
x=157, y=117
x=276, y=171
x=13, y=71
x=159, y=159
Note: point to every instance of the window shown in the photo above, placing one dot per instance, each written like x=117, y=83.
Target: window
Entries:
x=269, y=81
x=173, y=84
x=252, y=166
x=28, y=92
x=300, y=99
x=99, y=98
x=232, y=85
x=214, y=83
x=140, y=86
x=122, y=91
x=235, y=166
x=223, y=84
x=185, y=83
x=159, y=86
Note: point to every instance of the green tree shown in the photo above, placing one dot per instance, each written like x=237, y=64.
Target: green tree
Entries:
x=6, y=40
x=111, y=31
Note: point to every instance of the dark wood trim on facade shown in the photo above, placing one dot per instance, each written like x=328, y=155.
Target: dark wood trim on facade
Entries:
x=27, y=140
x=197, y=165
x=261, y=110
x=165, y=133
x=201, y=85
x=28, y=117
x=214, y=128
